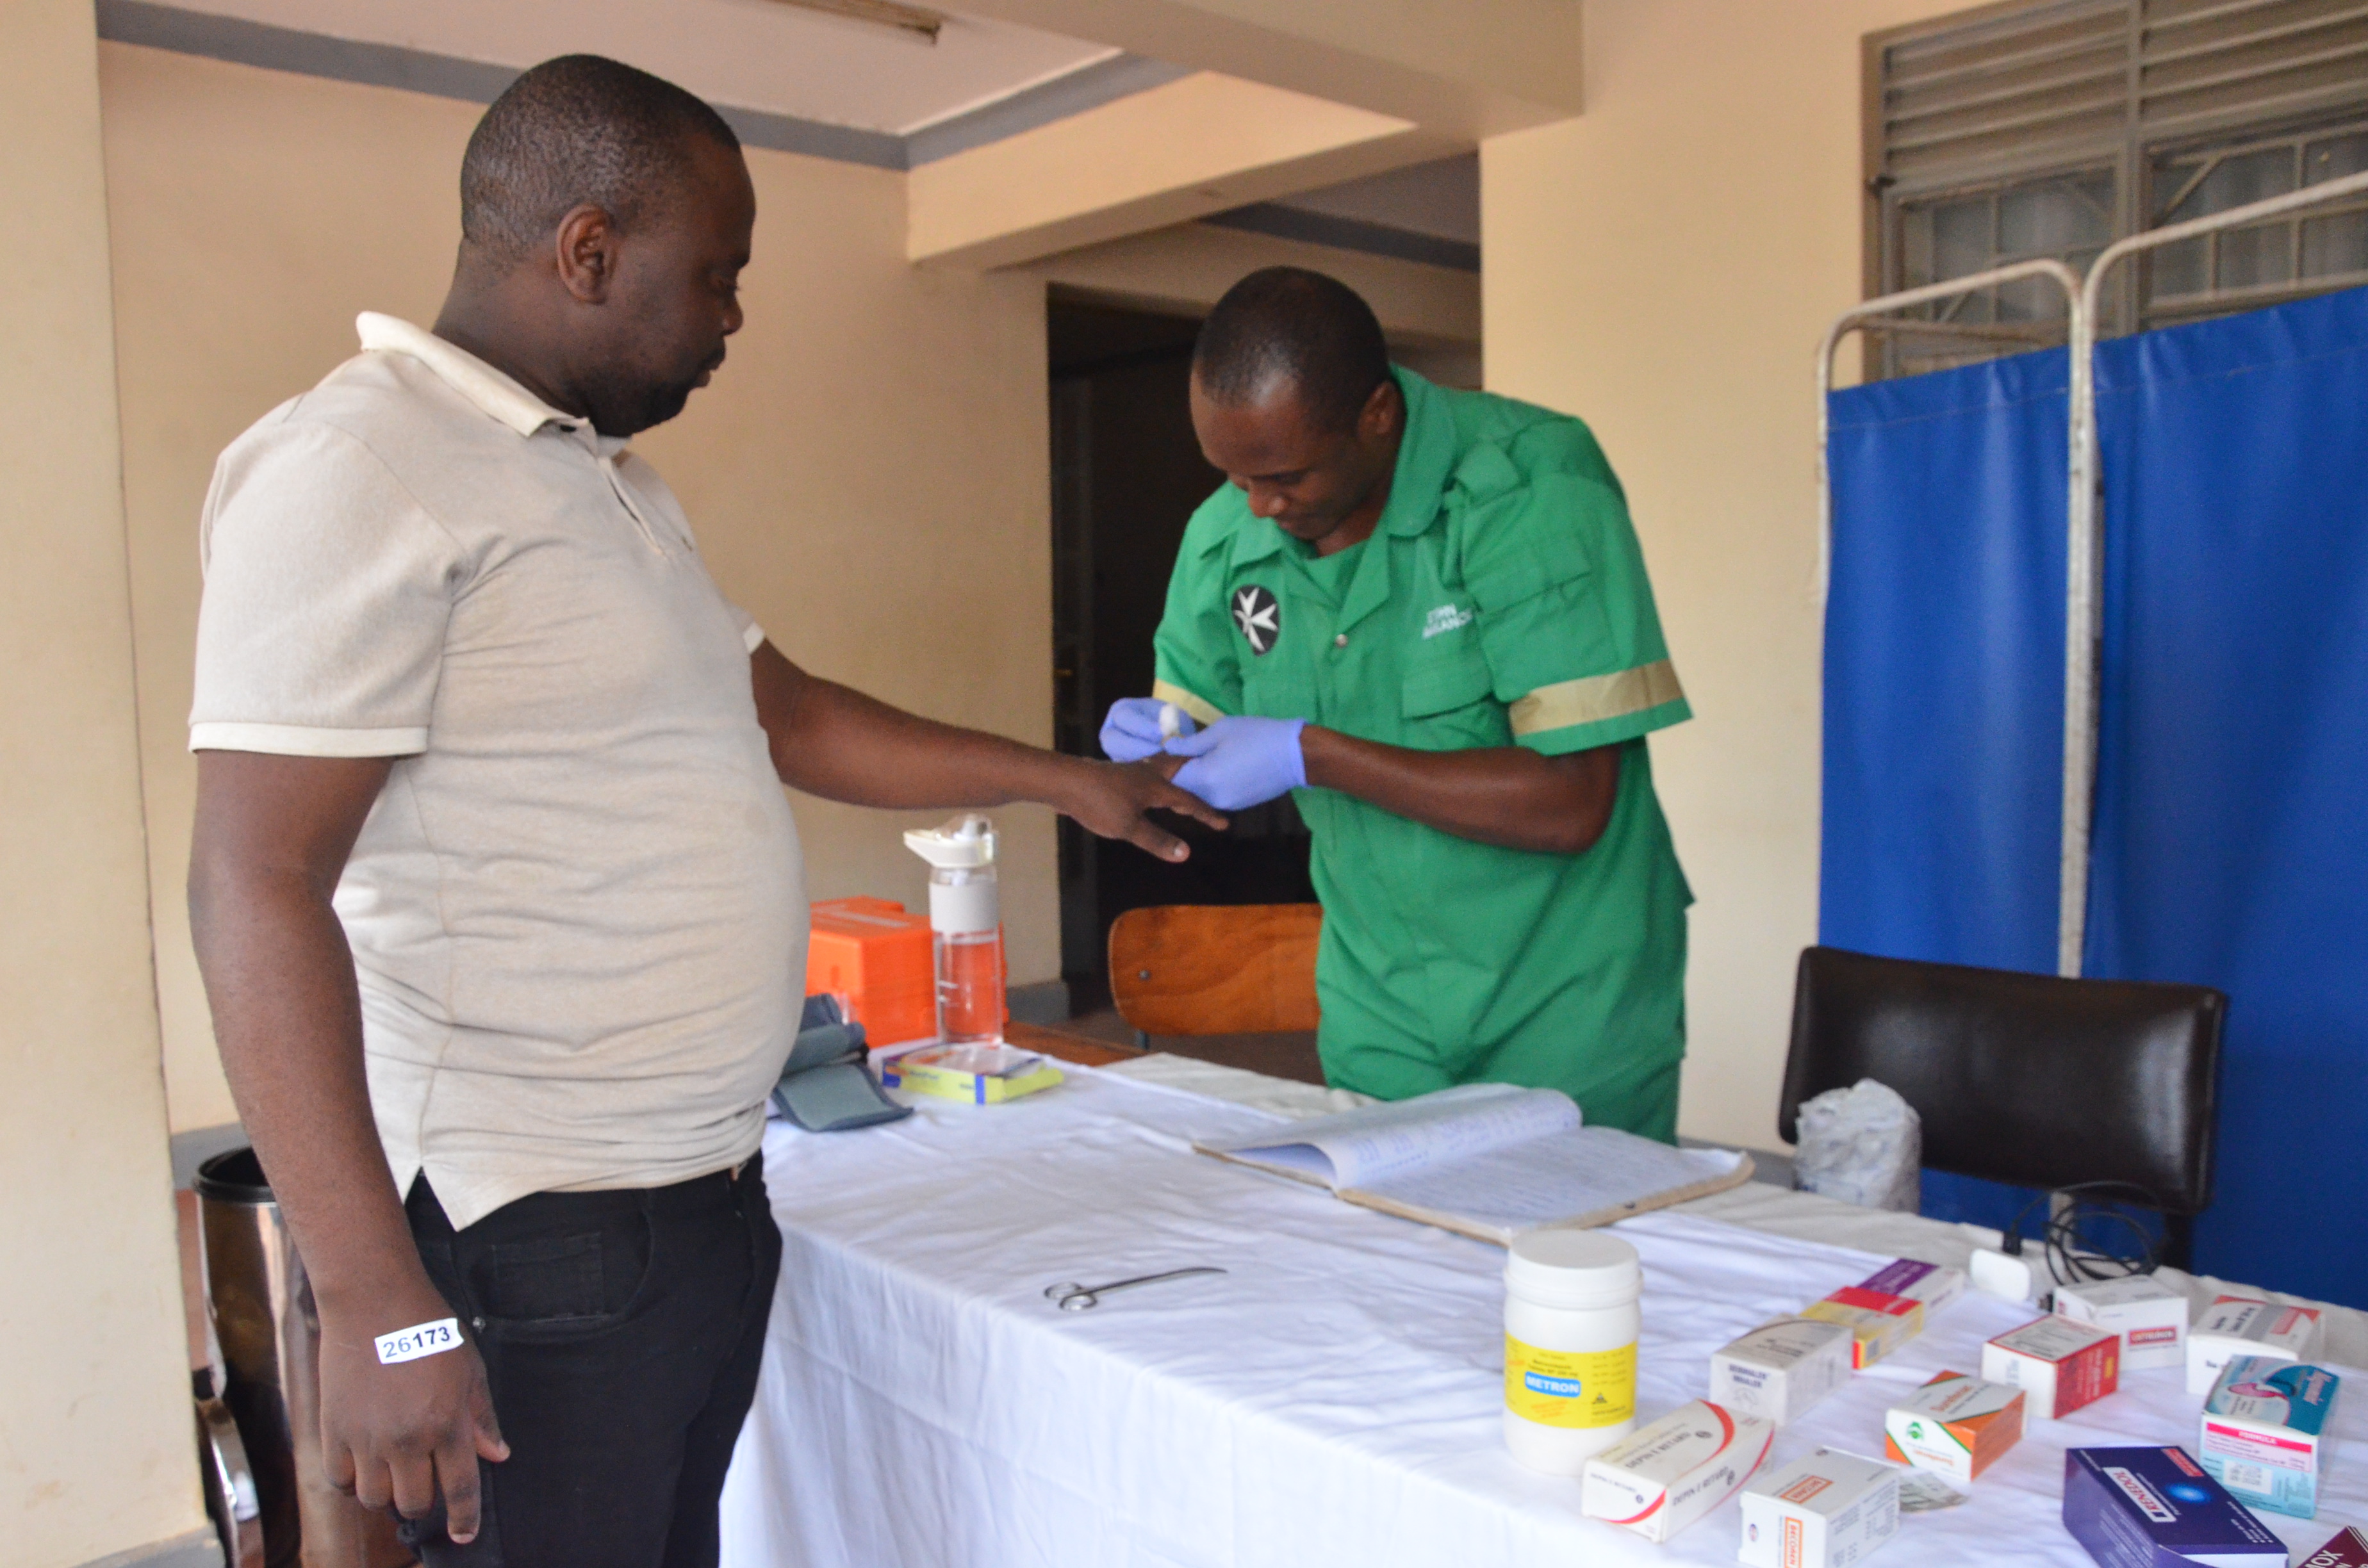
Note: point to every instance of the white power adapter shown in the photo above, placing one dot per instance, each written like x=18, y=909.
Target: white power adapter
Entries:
x=2005, y=1275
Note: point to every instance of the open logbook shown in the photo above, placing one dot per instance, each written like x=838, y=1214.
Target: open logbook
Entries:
x=1488, y=1160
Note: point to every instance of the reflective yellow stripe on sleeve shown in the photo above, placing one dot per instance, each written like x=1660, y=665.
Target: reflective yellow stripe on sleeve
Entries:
x=1596, y=698
x=1203, y=711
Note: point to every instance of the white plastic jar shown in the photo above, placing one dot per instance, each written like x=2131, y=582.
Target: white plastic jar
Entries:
x=1570, y=1347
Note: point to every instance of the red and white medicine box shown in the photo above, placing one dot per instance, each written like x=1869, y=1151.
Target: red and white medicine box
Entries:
x=2150, y=1317
x=1829, y=1510
x=2240, y=1325
x=2060, y=1364
x=1663, y=1477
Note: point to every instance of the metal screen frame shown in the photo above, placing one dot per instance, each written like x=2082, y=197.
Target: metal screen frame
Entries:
x=2080, y=492
x=2087, y=545
x=2084, y=568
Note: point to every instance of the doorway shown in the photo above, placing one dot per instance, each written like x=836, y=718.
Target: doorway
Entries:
x=1127, y=474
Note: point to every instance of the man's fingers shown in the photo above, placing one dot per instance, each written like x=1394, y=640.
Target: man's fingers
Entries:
x=372, y=1487
x=491, y=1445
x=1183, y=800
x=457, y=1475
x=414, y=1478
x=340, y=1461
x=1167, y=846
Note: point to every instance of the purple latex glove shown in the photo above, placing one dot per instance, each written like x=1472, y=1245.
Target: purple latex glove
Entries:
x=1132, y=730
x=1242, y=762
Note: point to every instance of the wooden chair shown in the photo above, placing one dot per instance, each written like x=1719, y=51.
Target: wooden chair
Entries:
x=1189, y=969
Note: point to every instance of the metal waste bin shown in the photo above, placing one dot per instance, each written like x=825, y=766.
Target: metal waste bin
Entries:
x=270, y=1333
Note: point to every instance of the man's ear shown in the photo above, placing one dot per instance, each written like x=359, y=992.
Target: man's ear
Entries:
x=584, y=248
x=1379, y=417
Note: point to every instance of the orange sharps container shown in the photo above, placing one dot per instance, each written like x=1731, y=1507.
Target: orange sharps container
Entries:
x=879, y=962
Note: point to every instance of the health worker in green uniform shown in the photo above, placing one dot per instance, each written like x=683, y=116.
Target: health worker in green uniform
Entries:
x=1425, y=613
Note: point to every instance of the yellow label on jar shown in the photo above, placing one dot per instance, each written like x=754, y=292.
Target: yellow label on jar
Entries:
x=1570, y=1388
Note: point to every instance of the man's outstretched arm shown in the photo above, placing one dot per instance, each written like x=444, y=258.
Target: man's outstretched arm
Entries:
x=271, y=840
x=832, y=741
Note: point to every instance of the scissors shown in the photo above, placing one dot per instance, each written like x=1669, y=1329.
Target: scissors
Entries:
x=1072, y=1298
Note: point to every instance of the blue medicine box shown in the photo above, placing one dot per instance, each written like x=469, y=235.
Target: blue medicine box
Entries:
x=2158, y=1508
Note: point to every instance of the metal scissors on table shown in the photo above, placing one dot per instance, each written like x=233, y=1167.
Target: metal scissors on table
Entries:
x=1072, y=1298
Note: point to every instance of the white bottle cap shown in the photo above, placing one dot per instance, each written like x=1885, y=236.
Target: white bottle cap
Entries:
x=959, y=844
x=1563, y=1267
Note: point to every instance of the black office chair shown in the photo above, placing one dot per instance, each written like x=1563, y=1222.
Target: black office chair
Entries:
x=2027, y=1079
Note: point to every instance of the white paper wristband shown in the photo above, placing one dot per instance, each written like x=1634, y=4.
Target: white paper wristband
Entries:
x=426, y=1339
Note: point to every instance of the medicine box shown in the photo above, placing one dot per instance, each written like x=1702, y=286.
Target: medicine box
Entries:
x=2149, y=1315
x=1955, y=1427
x=879, y=962
x=2262, y=1431
x=1829, y=1510
x=2347, y=1548
x=1663, y=1477
x=1929, y=1283
x=1879, y=1324
x=1780, y=1369
x=2157, y=1509
x=980, y=1074
x=2060, y=1364
x=2240, y=1326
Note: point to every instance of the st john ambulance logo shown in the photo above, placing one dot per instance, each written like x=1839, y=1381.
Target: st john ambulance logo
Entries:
x=1258, y=615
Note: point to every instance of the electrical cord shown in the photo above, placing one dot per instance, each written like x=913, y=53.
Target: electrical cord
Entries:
x=2072, y=1254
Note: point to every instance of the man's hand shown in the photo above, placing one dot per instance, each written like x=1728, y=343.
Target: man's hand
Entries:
x=1242, y=762
x=1110, y=798
x=394, y=1436
x=1135, y=728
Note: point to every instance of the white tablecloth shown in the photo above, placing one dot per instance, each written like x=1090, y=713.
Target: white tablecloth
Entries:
x=1333, y=1399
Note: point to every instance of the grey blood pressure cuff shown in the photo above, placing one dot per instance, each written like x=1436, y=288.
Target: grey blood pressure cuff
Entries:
x=828, y=1085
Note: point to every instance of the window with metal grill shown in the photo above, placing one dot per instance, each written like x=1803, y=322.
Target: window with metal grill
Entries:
x=2052, y=127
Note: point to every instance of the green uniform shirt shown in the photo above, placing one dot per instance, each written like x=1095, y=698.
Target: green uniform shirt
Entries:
x=1500, y=601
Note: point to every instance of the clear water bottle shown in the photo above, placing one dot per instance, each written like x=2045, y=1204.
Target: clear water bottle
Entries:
x=966, y=921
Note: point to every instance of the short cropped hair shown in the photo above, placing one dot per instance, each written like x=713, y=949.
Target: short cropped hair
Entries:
x=577, y=130
x=1290, y=325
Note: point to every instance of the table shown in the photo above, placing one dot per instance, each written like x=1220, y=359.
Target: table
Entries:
x=1333, y=1398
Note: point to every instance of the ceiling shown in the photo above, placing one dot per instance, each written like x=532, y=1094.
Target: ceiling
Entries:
x=1440, y=200
x=755, y=54
x=881, y=82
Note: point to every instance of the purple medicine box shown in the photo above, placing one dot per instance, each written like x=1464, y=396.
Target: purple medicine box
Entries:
x=2157, y=1509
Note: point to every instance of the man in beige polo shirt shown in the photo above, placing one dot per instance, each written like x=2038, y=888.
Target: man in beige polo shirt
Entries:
x=496, y=890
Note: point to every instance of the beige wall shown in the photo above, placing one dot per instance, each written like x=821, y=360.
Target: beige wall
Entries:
x=96, y=1440
x=1664, y=268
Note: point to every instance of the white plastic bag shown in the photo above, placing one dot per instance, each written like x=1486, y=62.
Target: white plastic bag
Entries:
x=1862, y=1145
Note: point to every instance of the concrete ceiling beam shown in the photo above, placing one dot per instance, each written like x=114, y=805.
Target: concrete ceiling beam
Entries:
x=1466, y=69
x=1195, y=146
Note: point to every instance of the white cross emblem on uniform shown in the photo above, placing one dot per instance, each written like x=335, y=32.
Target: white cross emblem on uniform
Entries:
x=1260, y=619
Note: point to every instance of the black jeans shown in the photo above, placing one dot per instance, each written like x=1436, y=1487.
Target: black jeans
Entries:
x=621, y=1333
